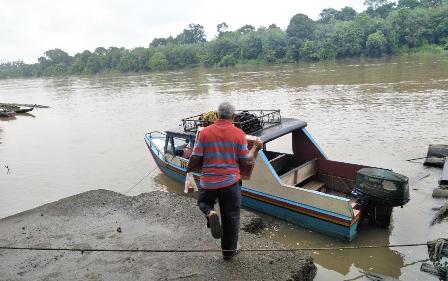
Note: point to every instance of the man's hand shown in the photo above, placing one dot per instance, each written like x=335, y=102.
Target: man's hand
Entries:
x=246, y=163
x=258, y=143
x=195, y=164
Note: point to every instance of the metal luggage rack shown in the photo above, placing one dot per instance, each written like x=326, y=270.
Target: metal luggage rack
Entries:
x=265, y=119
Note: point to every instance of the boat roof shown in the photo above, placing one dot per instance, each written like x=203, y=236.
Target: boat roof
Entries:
x=286, y=126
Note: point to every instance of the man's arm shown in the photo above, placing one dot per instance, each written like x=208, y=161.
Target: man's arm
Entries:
x=245, y=163
x=195, y=164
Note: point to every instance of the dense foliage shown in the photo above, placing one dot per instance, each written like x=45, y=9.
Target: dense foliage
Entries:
x=385, y=28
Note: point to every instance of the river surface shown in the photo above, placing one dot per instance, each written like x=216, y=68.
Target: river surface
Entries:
x=377, y=112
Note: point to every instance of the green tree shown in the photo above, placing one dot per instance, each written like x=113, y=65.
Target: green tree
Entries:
x=251, y=46
x=58, y=56
x=161, y=42
x=300, y=28
x=410, y=27
x=158, y=61
x=432, y=3
x=194, y=33
x=246, y=29
x=183, y=55
x=381, y=11
x=411, y=4
x=79, y=62
x=375, y=4
x=228, y=60
x=221, y=28
x=376, y=44
x=274, y=45
x=346, y=14
x=439, y=24
x=327, y=14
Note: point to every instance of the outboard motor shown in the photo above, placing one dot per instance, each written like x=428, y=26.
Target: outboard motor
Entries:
x=378, y=191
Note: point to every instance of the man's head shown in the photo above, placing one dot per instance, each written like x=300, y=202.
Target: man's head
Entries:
x=226, y=111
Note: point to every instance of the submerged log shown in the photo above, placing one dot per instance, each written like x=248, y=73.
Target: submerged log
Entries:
x=434, y=162
x=438, y=150
x=440, y=193
x=440, y=215
x=436, y=155
x=23, y=104
x=429, y=268
x=434, y=251
x=444, y=179
x=379, y=277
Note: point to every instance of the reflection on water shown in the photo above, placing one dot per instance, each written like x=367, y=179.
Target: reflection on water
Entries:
x=377, y=112
x=342, y=261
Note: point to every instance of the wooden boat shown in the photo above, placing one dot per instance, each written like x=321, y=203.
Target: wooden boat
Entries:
x=303, y=187
x=6, y=113
x=16, y=108
x=23, y=109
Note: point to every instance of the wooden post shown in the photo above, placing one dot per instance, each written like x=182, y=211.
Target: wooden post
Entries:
x=436, y=155
x=444, y=179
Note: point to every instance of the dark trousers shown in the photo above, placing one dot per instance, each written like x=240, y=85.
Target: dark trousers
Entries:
x=229, y=205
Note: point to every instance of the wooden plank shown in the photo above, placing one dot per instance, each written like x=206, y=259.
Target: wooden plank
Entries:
x=314, y=185
x=440, y=193
x=299, y=174
x=306, y=171
x=290, y=177
x=444, y=178
x=276, y=158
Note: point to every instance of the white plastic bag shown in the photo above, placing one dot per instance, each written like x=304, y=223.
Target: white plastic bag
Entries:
x=190, y=184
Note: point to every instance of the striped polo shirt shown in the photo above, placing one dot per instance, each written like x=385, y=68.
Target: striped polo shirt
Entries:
x=221, y=145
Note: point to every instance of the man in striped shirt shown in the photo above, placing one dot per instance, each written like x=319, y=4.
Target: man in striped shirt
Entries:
x=219, y=153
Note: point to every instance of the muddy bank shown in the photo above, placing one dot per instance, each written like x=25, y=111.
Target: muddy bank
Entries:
x=151, y=220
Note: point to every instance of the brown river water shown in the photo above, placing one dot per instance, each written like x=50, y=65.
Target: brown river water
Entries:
x=377, y=112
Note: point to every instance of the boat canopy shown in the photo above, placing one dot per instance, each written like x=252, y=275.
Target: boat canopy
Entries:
x=286, y=126
x=180, y=133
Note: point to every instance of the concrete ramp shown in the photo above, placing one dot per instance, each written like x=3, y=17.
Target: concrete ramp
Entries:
x=156, y=220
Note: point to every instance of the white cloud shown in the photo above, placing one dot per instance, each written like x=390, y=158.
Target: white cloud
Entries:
x=29, y=28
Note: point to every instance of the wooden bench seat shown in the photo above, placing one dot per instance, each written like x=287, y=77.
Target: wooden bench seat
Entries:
x=314, y=185
x=300, y=174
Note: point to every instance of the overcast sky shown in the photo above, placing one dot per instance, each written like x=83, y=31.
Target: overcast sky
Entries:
x=30, y=27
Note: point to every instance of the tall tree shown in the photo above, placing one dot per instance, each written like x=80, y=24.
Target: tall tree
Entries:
x=327, y=14
x=346, y=14
x=411, y=4
x=194, y=33
x=58, y=56
x=221, y=28
x=375, y=4
x=246, y=29
x=301, y=27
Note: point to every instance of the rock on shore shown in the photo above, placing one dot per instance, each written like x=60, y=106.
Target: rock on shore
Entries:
x=155, y=220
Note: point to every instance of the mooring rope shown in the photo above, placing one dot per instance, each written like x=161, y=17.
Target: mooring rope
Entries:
x=138, y=250
x=144, y=177
x=419, y=158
